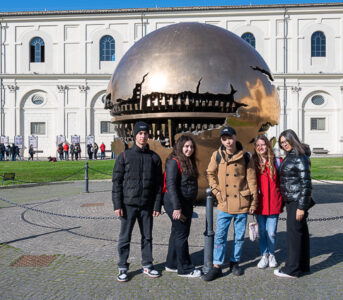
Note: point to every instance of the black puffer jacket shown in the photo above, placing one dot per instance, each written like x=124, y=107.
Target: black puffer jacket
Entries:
x=182, y=189
x=295, y=179
x=137, y=179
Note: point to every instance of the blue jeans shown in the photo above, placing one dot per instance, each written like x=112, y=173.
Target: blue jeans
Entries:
x=220, y=239
x=267, y=226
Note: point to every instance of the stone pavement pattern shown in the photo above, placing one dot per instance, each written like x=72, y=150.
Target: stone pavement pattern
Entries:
x=85, y=267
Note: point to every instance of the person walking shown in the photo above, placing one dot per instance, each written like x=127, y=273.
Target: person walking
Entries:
x=296, y=190
x=13, y=152
x=181, y=183
x=60, y=150
x=232, y=178
x=17, y=152
x=95, y=150
x=2, y=151
x=72, y=150
x=136, y=195
x=90, y=151
x=66, y=151
x=269, y=199
x=102, y=149
x=77, y=151
x=31, y=152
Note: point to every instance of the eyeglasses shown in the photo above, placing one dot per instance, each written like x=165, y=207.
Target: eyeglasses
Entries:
x=284, y=143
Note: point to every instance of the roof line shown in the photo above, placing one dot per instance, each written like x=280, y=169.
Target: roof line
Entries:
x=162, y=9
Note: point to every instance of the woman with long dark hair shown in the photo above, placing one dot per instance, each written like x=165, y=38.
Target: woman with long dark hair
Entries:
x=269, y=199
x=181, y=180
x=296, y=190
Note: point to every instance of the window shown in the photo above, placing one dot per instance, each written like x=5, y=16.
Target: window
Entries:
x=317, y=123
x=107, y=47
x=318, y=44
x=249, y=38
x=38, y=128
x=37, y=50
x=106, y=127
x=317, y=100
x=37, y=99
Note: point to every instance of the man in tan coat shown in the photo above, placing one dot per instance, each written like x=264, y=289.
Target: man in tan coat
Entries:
x=232, y=178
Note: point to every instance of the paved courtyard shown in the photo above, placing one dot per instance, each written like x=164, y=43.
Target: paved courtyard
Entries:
x=80, y=233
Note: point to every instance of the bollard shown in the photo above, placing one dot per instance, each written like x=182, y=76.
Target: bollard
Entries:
x=86, y=177
x=209, y=233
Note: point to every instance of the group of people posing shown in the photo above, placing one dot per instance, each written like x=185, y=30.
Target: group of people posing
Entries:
x=259, y=184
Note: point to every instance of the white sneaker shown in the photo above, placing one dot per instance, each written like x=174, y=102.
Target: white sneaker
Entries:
x=283, y=275
x=263, y=263
x=170, y=270
x=151, y=272
x=272, y=261
x=193, y=274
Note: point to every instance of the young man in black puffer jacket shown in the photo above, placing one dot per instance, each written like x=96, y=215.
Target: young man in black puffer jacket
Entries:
x=136, y=195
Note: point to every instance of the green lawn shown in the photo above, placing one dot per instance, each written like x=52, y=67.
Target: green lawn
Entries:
x=327, y=168
x=44, y=171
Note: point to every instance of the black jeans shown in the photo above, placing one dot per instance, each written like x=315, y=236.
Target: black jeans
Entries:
x=178, y=252
x=298, y=243
x=145, y=222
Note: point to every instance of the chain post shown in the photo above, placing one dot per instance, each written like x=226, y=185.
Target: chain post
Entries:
x=209, y=233
x=86, y=177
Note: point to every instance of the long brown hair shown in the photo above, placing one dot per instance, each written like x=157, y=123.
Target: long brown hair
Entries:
x=260, y=165
x=187, y=164
x=292, y=138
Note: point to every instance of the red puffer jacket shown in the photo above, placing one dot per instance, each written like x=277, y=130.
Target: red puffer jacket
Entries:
x=269, y=196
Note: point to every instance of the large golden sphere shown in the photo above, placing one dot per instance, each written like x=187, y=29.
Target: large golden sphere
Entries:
x=192, y=77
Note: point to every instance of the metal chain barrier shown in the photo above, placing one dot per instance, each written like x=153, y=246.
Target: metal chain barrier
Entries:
x=318, y=219
x=89, y=168
x=57, y=214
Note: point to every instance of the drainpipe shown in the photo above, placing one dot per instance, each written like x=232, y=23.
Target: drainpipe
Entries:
x=285, y=68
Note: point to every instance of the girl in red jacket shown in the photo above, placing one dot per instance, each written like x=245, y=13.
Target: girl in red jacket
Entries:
x=269, y=199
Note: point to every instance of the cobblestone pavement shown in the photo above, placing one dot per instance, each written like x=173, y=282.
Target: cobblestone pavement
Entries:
x=85, y=266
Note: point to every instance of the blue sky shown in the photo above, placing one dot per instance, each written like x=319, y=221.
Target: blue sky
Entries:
x=35, y=5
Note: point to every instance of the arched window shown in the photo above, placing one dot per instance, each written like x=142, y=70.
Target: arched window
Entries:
x=37, y=50
x=249, y=38
x=318, y=44
x=107, y=48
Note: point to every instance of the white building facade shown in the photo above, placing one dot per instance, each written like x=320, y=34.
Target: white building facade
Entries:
x=55, y=66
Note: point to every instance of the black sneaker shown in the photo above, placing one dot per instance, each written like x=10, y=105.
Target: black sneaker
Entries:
x=212, y=274
x=122, y=276
x=235, y=268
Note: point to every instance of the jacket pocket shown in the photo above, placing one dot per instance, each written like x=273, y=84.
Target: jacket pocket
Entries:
x=219, y=198
x=245, y=198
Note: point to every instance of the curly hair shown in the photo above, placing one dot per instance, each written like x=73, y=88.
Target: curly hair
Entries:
x=259, y=163
x=187, y=164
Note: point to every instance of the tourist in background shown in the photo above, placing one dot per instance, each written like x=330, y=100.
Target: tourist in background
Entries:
x=66, y=151
x=296, y=190
x=72, y=150
x=95, y=150
x=31, y=152
x=269, y=199
x=102, y=149
x=60, y=150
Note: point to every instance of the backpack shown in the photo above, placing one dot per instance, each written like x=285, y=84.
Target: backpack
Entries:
x=164, y=187
x=246, y=156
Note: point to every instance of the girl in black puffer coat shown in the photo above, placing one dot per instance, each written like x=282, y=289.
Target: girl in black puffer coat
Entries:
x=181, y=190
x=296, y=190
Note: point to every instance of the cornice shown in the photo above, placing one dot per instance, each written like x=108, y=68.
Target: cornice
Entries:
x=134, y=11
x=308, y=75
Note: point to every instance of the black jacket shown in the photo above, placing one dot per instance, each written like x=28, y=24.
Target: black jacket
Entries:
x=181, y=189
x=295, y=179
x=137, y=179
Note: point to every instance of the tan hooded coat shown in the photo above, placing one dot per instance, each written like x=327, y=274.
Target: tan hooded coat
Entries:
x=235, y=181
